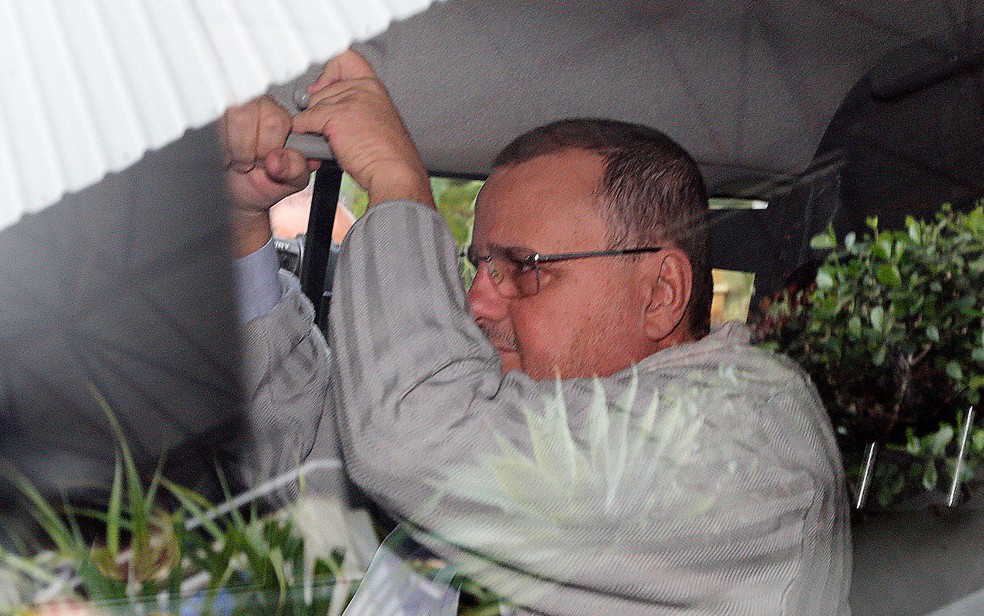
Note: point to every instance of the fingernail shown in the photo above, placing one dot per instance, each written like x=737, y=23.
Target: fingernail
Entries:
x=274, y=164
x=302, y=97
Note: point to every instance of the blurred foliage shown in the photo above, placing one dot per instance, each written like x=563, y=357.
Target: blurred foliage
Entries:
x=148, y=560
x=455, y=200
x=193, y=559
x=891, y=333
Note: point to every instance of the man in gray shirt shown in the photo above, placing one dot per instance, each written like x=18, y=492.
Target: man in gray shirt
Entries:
x=566, y=431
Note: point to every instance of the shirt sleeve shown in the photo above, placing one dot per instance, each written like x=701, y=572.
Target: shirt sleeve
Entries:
x=257, y=285
x=285, y=374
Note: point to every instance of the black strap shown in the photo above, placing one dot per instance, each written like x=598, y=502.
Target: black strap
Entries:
x=315, y=268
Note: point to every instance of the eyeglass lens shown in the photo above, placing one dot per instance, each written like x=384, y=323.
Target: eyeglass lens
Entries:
x=510, y=274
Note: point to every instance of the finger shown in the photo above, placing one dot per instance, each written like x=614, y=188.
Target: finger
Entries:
x=287, y=166
x=340, y=99
x=272, y=128
x=315, y=120
x=239, y=135
x=346, y=65
x=349, y=89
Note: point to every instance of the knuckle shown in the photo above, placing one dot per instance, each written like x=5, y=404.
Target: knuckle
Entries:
x=274, y=122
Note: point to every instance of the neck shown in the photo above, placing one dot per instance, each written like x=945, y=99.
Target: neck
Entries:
x=680, y=335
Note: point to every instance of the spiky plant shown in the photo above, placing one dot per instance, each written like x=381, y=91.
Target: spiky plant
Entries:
x=580, y=494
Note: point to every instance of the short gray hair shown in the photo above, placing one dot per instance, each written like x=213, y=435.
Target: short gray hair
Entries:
x=652, y=191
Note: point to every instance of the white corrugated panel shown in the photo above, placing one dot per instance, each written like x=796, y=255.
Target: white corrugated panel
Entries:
x=88, y=86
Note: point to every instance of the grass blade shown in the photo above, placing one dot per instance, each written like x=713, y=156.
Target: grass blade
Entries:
x=114, y=512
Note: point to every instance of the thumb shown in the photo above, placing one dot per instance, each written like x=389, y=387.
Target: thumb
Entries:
x=287, y=166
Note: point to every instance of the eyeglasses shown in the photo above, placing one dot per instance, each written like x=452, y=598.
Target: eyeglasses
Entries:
x=515, y=272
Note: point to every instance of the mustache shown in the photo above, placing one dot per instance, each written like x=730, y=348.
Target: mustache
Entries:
x=499, y=335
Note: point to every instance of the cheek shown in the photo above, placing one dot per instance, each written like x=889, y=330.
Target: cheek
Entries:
x=539, y=328
x=581, y=335
x=548, y=332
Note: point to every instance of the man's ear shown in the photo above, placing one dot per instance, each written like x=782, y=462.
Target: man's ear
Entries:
x=669, y=285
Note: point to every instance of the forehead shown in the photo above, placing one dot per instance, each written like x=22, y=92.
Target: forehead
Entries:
x=542, y=202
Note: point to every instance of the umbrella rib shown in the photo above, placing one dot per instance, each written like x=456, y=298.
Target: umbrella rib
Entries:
x=175, y=325
x=741, y=119
x=878, y=146
x=121, y=352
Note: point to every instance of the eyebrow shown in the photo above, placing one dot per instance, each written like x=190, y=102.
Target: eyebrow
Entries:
x=510, y=251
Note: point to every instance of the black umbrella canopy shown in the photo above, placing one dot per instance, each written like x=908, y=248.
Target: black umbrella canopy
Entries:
x=748, y=87
x=910, y=134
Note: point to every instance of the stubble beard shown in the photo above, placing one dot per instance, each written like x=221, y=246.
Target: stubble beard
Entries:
x=501, y=337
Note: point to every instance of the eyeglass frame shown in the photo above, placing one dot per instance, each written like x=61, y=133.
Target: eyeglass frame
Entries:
x=534, y=260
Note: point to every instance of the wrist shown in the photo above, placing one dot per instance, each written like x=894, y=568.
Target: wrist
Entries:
x=406, y=184
x=250, y=231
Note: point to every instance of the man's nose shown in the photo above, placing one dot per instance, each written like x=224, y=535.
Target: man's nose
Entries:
x=486, y=302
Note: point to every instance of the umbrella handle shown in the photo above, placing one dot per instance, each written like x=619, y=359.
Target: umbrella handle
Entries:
x=311, y=146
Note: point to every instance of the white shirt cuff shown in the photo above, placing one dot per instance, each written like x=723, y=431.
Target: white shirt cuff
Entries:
x=257, y=282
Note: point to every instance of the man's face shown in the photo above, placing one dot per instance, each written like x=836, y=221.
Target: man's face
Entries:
x=587, y=318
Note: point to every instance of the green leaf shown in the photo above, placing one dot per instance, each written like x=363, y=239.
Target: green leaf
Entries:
x=824, y=279
x=42, y=511
x=849, y=240
x=978, y=354
x=882, y=249
x=913, y=228
x=879, y=357
x=912, y=444
x=113, y=513
x=954, y=370
x=824, y=241
x=940, y=440
x=277, y=561
x=888, y=274
x=933, y=333
x=930, y=477
x=137, y=506
x=877, y=317
x=100, y=589
x=196, y=506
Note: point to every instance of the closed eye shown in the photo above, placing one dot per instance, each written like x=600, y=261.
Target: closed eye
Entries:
x=526, y=264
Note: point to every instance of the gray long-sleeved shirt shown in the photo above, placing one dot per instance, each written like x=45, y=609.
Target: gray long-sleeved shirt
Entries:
x=704, y=480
